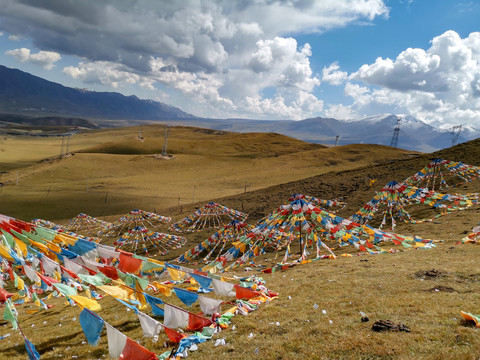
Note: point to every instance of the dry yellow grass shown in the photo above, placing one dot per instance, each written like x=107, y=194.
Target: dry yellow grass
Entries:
x=383, y=286
x=205, y=166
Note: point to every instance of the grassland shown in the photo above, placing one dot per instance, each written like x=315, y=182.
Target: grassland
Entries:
x=113, y=172
x=390, y=286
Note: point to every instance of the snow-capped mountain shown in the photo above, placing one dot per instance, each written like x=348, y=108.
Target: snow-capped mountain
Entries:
x=413, y=134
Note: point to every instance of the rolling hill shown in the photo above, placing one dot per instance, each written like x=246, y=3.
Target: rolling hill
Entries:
x=206, y=164
x=317, y=314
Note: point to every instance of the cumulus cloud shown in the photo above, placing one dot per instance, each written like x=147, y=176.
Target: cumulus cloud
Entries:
x=223, y=54
x=333, y=75
x=440, y=85
x=106, y=73
x=46, y=59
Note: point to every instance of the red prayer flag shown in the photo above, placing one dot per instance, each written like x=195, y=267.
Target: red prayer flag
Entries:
x=71, y=273
x=4, y=295
x=133, y=350
x=242, y=292
x=174, y=336
x=109, y=271
x=129, y=264
x=47, y=280
x=10, y=272
x=196, y=322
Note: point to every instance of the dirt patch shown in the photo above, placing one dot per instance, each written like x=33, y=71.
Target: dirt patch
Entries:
x=430, y=274
x=211, y=132
x=387, y=325
x=468, y=278
x=442, y=288
x=163, y=157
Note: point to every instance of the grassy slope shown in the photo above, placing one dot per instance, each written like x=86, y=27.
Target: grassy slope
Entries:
x=210, y=164
x=383, y=286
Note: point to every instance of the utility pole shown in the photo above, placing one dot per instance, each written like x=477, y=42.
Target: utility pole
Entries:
x=396, y=131
x=336, y=140
x=140, y=128
x=164, y=150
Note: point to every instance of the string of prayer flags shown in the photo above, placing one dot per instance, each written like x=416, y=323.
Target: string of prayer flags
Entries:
x=212, y=215
x=393, y=199
x=83, y=222
x=141, y=240
x=432, y=174
x=135, y=218
x=230, y=233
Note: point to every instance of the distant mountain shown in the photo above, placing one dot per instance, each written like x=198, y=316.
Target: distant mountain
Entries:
x=24, y=93
x=414, y=134
x=21, y=92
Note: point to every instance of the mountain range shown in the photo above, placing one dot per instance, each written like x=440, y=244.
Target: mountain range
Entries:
x=23, y=93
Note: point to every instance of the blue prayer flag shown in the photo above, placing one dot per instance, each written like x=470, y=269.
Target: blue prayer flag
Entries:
x=187, y=297
x=92, y=326
x=31, y=351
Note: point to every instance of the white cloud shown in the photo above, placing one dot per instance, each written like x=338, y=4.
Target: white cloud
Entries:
x=283, y=64
x=333, y=76
x=14, y=37
x=46, y=59
x=1, y=33
x=341, y=112
x=440, y=85
x=106, y=73
x=221, y=54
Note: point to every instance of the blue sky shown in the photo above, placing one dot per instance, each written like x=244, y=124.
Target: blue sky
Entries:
x=259, y=59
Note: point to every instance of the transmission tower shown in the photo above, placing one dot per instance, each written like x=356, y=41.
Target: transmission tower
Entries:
x=164, y=150
x=63, y=145
x=336, y=140
x=67, y=151
x=396, y=131
x=140, y=128
x=455, y=133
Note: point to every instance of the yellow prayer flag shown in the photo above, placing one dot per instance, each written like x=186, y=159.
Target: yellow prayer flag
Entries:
x=176, y=274
x=5, y=254
x=84, y=302
x=21, y=245
x=164, y=289
x=115, y=291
